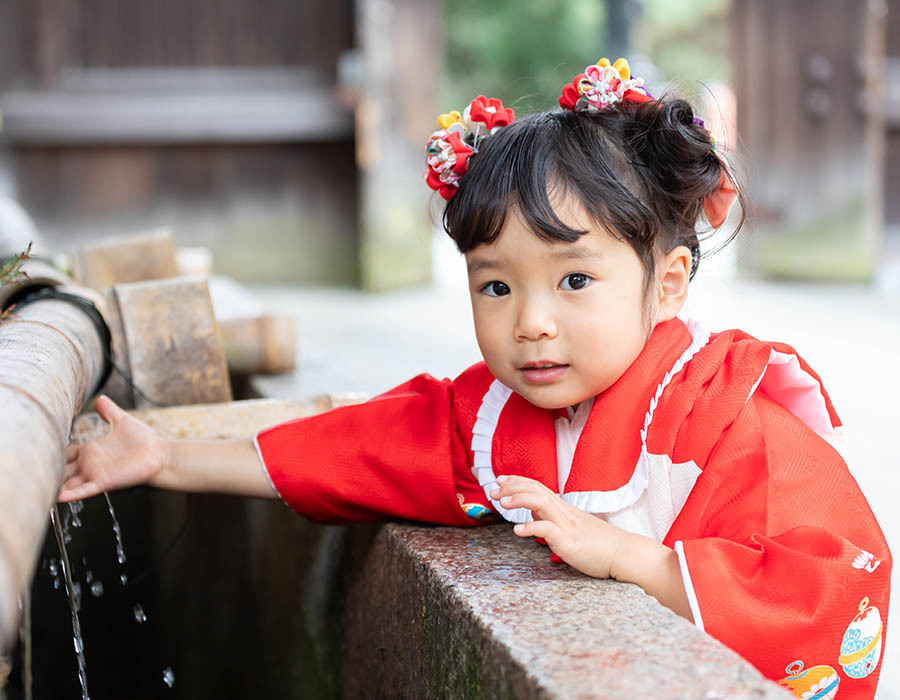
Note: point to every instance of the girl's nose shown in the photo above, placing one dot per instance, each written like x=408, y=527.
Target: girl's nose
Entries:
x=534, y=321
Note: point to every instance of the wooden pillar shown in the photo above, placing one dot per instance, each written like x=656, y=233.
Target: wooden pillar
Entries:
x=809, y=80
x=401, y=53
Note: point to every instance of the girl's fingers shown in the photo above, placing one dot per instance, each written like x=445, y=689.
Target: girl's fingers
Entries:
x=108, y=410
x=512, y=485
x=544, y=505
x=72, y=451
x=538, y=528
x=76, y=489
x=71, y=470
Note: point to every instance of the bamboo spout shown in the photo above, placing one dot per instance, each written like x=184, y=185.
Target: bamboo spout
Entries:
x=51, y=356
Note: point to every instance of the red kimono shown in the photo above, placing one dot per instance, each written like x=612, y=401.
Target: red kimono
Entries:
x=721, y=446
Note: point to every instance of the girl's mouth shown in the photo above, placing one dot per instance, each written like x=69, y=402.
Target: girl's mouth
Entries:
x=543, y=372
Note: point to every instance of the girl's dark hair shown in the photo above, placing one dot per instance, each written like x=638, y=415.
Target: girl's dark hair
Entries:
x=640, y=170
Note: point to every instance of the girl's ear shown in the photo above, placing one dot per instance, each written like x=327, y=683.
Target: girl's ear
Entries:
x=674, y=275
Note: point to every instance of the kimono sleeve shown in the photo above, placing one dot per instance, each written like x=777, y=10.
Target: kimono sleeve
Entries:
x=397, y=455
x=782, y=558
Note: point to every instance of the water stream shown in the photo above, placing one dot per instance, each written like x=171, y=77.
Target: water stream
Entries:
x=77, y=583
x=120, y=549
x=25, y=642
x=77, y=638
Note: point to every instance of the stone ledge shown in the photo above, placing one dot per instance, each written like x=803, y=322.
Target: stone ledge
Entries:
x=448, y=612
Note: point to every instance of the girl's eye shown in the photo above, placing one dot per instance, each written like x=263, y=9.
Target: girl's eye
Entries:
x=575, y=281
x=495, y=289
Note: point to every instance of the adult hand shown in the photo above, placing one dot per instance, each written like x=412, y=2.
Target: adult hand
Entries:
x=130, y=453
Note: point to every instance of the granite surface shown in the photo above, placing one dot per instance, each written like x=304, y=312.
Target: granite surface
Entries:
x=450, y=612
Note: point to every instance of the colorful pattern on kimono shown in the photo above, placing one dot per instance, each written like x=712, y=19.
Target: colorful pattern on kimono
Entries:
x=816, y=683
x=776, y=542
x=861, y=646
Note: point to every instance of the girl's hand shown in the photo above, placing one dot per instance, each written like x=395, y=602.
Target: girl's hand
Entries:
x=130, y=453
x=583, y=541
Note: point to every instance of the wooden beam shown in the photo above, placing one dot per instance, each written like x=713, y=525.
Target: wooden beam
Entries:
x=131, y=258
x=264, y=344
x=147, y=106
x=217, y=421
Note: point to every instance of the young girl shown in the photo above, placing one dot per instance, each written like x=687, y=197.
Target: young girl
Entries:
x=703, y=467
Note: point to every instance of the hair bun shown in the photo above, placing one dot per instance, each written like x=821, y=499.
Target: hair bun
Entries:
x=679, y=154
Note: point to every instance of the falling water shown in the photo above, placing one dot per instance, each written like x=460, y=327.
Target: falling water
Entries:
x=139, y=615
x=75, y=508
x=70, y=589
x=120, y=549
x=25, y=642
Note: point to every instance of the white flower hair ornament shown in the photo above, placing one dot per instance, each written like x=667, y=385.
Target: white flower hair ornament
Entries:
x=448, y=149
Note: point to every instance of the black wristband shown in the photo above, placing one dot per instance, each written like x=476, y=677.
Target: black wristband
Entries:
x=32, y=294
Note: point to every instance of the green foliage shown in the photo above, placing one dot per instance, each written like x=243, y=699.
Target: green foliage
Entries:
x=524, y=51
x=11, y=270
x=688, y=41
x=521, y=51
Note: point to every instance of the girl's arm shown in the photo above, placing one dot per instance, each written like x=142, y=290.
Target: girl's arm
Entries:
x=654, y=567
x=131, y=453
x=216, y=466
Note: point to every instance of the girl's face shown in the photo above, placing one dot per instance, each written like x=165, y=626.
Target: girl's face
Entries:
x=559, y=322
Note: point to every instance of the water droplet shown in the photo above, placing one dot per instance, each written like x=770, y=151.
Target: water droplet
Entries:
x=75, y=507
x=53, y=568
x=67, y=538
x=56, y=584
x=120, y=554
x=97, y=589
x=123, y=578
x=88, y=576
x=79, y=647
x=139, y=614
x=168, y=676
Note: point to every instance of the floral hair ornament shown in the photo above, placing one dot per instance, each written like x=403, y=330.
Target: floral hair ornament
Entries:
x=448, y=149
x=718, y=203
x=601, y=85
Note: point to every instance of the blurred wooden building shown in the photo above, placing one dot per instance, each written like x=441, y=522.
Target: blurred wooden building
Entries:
x=285, y=135
x=818, y=89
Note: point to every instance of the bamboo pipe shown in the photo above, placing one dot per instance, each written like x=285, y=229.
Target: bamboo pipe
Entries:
x=51, y=356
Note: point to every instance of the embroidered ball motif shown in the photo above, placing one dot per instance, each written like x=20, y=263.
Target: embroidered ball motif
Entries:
x=861, y=646
x=815, y=683
x=474, y=510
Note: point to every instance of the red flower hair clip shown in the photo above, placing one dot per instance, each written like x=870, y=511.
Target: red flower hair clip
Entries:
x=601, y=85
x=448, y=149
